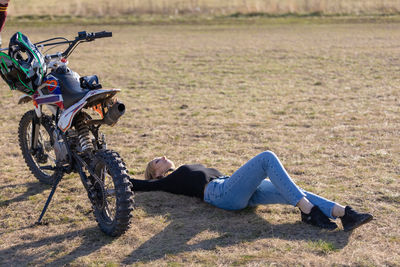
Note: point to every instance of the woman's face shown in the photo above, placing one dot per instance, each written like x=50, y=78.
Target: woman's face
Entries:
x=161, y=165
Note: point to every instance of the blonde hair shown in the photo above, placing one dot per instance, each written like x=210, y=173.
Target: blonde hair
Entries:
x=149, y=173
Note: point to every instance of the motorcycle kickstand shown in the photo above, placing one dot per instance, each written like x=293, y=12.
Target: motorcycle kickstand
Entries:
x=53, y=189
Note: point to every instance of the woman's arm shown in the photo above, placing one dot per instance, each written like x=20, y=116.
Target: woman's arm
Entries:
x=171, y=183
x=178, y=182
x=150, y=185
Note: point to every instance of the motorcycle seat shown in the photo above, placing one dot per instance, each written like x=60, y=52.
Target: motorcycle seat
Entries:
x=70, y=86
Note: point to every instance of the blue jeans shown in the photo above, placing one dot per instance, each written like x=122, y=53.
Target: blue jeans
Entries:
x=248, y=187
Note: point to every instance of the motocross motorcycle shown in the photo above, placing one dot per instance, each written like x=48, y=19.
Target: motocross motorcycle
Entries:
x=67, y=139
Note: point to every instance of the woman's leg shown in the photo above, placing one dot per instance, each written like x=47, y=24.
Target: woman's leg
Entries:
x=266, y=193
x=235, y=192
x=324, y=204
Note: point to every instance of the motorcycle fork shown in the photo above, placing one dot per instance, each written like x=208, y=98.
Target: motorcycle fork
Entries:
x=36, y=121
x=35, y=133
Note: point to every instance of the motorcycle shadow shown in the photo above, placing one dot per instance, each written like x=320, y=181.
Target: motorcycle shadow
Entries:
x=32, y=188
x=195, y=225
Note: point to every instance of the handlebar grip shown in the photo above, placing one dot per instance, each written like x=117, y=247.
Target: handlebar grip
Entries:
x=102, y=34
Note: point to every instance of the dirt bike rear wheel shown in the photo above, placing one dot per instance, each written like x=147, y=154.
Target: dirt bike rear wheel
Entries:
x=115, y=197
x=42, y=163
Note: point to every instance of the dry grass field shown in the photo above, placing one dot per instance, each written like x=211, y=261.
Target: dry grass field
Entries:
x=324, y=97
x=200, y=7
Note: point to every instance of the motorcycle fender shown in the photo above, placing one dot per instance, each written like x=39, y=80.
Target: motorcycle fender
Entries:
x=27, y=98
x=24, y=99
x=68, y=115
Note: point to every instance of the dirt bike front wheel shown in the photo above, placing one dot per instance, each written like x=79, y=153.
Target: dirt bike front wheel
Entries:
x=114, y=197
x=42, y=161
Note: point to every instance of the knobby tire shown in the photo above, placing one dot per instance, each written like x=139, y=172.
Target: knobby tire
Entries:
x=116, y=226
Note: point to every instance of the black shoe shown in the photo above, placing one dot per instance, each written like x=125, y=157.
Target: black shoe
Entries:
x=353, y=219
x=317, y=218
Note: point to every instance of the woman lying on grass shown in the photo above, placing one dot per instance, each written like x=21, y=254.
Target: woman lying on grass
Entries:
x=248, y=186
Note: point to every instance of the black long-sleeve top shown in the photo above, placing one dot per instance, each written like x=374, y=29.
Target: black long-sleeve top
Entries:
x=189, y=180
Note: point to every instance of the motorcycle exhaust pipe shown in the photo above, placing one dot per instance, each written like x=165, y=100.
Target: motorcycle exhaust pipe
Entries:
x=112, y=115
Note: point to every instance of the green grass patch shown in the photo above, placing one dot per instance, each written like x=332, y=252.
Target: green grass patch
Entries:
x=321, y=246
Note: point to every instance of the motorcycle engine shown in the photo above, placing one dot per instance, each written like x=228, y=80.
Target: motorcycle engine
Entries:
x=60, y=147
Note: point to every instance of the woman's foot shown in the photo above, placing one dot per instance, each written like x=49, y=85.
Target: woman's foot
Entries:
x=317, y=218
x=353, y=219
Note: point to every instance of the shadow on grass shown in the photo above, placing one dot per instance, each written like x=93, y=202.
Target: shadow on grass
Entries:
x=32, y=188
x=186, y=225
x=91, y=239
x=193, y=225
x=49, y=250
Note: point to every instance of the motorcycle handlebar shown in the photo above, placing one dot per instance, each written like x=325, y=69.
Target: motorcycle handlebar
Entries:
x=102, y=34
x=93, y=35
x=84, y=36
